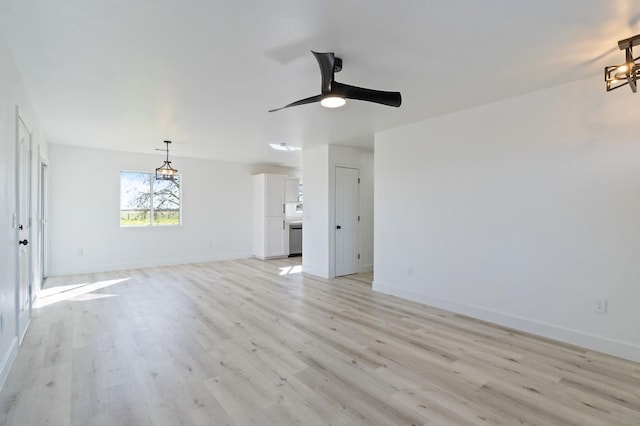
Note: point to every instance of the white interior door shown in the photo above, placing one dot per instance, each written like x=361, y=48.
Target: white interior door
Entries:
x=347, y=194
x=23, y=171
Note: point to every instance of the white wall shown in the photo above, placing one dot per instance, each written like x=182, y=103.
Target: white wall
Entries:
x=315, y=230
x=84, y=214
x=520, y=212
x=319, y=207
x=13, y=94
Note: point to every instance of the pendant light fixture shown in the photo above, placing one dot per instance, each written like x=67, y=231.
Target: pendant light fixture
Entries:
x=629, y=72
x=166, y=172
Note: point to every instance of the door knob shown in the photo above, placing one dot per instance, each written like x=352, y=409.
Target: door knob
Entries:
x=25, y=242
x=338, y=227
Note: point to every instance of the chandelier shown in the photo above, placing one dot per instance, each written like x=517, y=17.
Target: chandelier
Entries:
x=628, y=73
x=166, y=172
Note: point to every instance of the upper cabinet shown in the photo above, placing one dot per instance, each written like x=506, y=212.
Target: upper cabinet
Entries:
x=292, y=189
x=274, y=193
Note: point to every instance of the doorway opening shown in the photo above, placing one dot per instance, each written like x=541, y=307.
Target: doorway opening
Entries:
x=42, y=222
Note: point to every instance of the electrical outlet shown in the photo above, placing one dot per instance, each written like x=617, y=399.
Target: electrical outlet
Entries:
x=410, y=270
x=81, y=252
x=600, y=306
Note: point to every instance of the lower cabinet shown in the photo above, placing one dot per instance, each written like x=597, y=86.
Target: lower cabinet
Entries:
x=275, y=237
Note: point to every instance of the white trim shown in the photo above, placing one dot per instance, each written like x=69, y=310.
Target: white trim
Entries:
x=269, y=257
x=366, y=268
x=603, y=344
x=318, y=272
x=42, y=217
x=7, y=361
x=87, y=269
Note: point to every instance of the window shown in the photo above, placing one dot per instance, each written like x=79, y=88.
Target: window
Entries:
x=145, y=201
x=300, y=199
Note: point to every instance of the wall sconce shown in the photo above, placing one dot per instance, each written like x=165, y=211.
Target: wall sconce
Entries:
x=628, y=73
x=166, y=172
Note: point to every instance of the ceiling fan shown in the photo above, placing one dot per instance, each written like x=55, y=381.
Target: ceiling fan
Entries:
x=334, y=94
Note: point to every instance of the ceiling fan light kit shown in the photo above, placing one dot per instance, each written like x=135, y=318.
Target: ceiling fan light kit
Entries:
x=334, y=94
x=616, y=76
x=333, y=101
x=166, y=172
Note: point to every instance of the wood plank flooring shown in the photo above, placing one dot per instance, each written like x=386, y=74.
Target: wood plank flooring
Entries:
x=249, y=342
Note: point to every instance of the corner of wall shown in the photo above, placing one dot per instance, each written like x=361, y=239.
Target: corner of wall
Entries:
x=318, y=272
x=366, y=268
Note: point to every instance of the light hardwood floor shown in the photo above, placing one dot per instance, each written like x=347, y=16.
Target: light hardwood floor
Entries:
x=250, y=342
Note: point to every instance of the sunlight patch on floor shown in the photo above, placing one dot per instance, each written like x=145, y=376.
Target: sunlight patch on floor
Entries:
x=288, y=270
x=75, y=292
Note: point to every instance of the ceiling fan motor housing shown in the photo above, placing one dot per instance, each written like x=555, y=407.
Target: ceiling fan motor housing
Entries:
x=337, y=65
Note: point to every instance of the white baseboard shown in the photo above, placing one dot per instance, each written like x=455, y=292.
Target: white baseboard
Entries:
x=366, y=268
x=88, y=269
x=627, y=350
x=318, y=272
x=255, y=256
x=7, y=361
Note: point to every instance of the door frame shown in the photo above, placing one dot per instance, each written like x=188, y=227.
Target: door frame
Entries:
x=332, y=216
x=42, y=221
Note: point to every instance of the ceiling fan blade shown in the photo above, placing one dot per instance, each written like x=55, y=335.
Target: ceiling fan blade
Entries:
x=360, y=93
x=326, y=61
x=310, y=100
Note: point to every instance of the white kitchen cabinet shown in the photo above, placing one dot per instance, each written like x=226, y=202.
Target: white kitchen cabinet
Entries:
x=269, y=216
x=292, y=189
x=275, y=237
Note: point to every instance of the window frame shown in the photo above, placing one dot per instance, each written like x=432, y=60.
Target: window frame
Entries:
x=151, y=210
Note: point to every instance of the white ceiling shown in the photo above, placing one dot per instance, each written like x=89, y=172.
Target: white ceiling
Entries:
x=127, y=75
